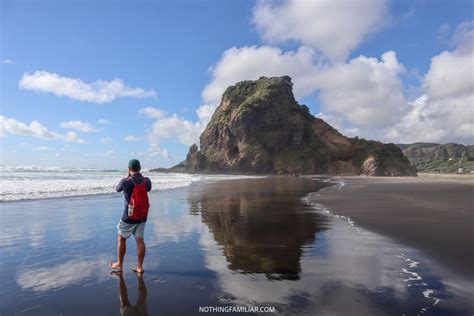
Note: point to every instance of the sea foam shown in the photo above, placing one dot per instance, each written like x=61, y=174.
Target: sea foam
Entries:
x=27, y=182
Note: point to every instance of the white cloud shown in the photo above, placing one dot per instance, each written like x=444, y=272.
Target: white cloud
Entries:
x=170, y=126
x=365, y=97
x=71, y=137
x=156, y=151
x=451, y=72
x=15, y=127
x=109, y=153
x=105, y=140
x=187, y=132
x=333, y=27
x=252, y=62
x=103, y=122
x=131, y=138
x=100, y=91
x=205, y=112
x=436, y=121
x=42, y=148
x=362, y=97
x=66, y=147
x=152, y=112
x=8, y=61
x=365, y=92
x=444, y=113
x=34, y=129
x=79, y=126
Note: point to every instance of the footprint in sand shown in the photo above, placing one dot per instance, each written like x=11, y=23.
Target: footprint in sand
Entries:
x=226, y=298
x=197, y=285
x=159, y=280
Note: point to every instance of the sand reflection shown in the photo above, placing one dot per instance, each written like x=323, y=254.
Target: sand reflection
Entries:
x=62, y=275
x=262, y=228
x=140, y=306
x=290, y=255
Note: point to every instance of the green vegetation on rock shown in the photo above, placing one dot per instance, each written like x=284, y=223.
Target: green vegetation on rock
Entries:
x=440, y=158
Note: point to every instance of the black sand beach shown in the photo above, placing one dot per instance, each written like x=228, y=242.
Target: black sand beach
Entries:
x=435, y=214
x=235, y=243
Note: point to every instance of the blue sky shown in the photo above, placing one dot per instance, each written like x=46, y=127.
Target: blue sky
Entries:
x=54, y=52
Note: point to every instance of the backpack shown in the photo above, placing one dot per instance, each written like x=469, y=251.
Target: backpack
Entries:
x=139, y=205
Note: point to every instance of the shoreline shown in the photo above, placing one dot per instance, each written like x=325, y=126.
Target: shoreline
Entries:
x=223, y=177
x=92, y=195
x=214, y=177
x=432, y=214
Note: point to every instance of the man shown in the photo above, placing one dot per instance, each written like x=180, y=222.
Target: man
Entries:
x=135, y=188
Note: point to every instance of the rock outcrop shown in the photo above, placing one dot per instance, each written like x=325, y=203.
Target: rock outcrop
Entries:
x=440, y=158
x=259, y=128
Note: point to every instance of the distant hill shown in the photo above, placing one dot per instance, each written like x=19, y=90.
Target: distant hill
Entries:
x=440, y=158
x=259, y=128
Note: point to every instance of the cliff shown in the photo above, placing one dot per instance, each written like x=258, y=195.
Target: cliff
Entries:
x=259, y=128
x=440, y=158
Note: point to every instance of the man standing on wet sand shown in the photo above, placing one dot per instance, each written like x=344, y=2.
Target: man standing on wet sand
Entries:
x=135, y=188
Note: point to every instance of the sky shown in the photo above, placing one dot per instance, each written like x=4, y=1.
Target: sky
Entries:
x=92, y=84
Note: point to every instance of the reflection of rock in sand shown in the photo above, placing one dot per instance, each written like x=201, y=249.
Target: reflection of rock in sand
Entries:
x=261, y=227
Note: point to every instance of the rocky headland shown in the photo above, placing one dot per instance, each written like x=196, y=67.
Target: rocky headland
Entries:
x=259, y=128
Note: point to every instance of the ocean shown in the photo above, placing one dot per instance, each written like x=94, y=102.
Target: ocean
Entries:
x=31, y=183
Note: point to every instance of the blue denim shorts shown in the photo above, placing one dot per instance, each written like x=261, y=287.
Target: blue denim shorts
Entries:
x=126, y=230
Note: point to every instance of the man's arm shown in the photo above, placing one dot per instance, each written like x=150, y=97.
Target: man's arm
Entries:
x=119, y=186
x=148, y=184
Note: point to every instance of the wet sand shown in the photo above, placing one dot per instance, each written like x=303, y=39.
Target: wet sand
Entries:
x=431, y=213
x=234, y=243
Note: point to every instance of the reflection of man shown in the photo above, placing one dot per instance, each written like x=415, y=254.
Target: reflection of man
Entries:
x=126, y=309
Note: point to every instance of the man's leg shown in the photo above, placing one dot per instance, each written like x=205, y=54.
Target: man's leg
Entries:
x=141, y=250
x=121, y=248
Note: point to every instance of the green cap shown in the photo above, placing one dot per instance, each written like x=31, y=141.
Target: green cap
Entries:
x=134, y=164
